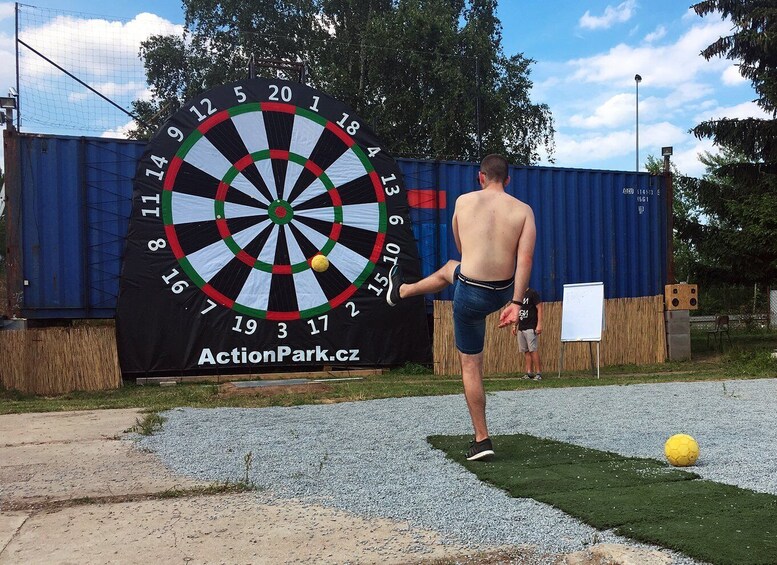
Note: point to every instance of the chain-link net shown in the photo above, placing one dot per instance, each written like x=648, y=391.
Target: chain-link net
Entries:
x=79, y=73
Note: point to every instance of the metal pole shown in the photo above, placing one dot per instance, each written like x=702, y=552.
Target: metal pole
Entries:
x=669, y=188
x=16, y=48
x=637, y=80
x=477, y=109
x=13, y=216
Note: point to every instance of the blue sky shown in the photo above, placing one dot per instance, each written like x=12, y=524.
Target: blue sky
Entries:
x=586, y=54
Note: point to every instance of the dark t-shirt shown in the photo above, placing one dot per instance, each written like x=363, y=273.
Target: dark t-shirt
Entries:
x=527, y=316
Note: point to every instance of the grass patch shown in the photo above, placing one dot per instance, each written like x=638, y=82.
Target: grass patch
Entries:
x=205, y=490
x=208, y=490
x=749, y=357
x=149, y=424
x=643, y=499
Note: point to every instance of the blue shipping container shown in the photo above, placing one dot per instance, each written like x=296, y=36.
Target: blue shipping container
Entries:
x=592, y=226
x=76, y=198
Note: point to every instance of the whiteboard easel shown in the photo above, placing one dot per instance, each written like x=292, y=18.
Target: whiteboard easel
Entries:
x=582, y=318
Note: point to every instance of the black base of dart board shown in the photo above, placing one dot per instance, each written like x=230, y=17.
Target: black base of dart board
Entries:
x=233, y=198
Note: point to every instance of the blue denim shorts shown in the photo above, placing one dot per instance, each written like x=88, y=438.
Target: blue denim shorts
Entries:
x=473, y=300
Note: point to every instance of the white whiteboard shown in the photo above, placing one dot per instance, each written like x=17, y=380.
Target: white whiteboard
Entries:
x=582, y=312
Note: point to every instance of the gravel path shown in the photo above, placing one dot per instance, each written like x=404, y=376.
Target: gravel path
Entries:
x=371, y=458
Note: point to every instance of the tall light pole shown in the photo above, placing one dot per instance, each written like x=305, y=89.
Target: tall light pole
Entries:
x=637, y=80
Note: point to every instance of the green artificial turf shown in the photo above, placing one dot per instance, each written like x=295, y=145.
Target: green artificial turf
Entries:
x=643, y=499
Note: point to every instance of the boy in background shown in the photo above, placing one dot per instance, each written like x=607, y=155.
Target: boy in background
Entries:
x=528, y=328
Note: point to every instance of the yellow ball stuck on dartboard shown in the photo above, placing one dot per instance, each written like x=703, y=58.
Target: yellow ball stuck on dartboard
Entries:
x=319, y=263
x=681, y=450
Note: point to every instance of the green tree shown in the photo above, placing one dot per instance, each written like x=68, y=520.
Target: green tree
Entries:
x=220, y=39
x=738, y=195
x=686, y=214
x=418, y=71
x=738, y=238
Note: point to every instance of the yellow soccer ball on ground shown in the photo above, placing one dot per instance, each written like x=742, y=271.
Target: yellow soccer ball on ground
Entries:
x=319, y=263
x=681, y=450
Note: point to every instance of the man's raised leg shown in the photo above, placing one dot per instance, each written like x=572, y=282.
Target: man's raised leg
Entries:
x=435, y=282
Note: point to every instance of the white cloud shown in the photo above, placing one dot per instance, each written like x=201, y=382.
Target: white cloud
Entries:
x=660, y=66
x=690, y=16
x=656, y=34
x=732, y=77
x=7, y=10
x=596, y=148
x=120, y=132
x=615, y=111
x=7, y=72
x=743, y=110
x=687, y=158
x=655, y=136
x=112, y=90
x=576, y=151
x=91, y=47
x=687, y=92
x=619, y=109
x=593, y=97
x=144, y=94
x=619, y=14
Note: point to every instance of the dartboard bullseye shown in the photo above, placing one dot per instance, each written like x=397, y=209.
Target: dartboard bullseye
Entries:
x=235, y=197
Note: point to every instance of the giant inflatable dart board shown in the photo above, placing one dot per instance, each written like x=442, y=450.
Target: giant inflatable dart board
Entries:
x=233, y=198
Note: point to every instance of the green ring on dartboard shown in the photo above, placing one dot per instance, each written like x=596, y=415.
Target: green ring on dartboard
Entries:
x=312, y=213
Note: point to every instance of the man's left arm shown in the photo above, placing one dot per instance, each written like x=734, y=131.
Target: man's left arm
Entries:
x=523, y=264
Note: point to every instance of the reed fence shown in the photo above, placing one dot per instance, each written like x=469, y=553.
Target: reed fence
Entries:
x=55, y=361
x=634, y=334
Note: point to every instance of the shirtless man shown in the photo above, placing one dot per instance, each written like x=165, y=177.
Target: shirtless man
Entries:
x=495, y=234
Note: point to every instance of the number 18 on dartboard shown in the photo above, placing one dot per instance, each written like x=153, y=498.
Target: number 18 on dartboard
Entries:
x=266, y=216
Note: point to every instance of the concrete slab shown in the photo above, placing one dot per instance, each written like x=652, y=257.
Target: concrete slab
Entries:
x=47, y=427
x=72, y=491
x=10, y=523
x=255, y=384
x=57, y=456
x=216, y=529
x=36, y=473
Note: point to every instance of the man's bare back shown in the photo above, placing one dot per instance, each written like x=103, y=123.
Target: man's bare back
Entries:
x=488, y=226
